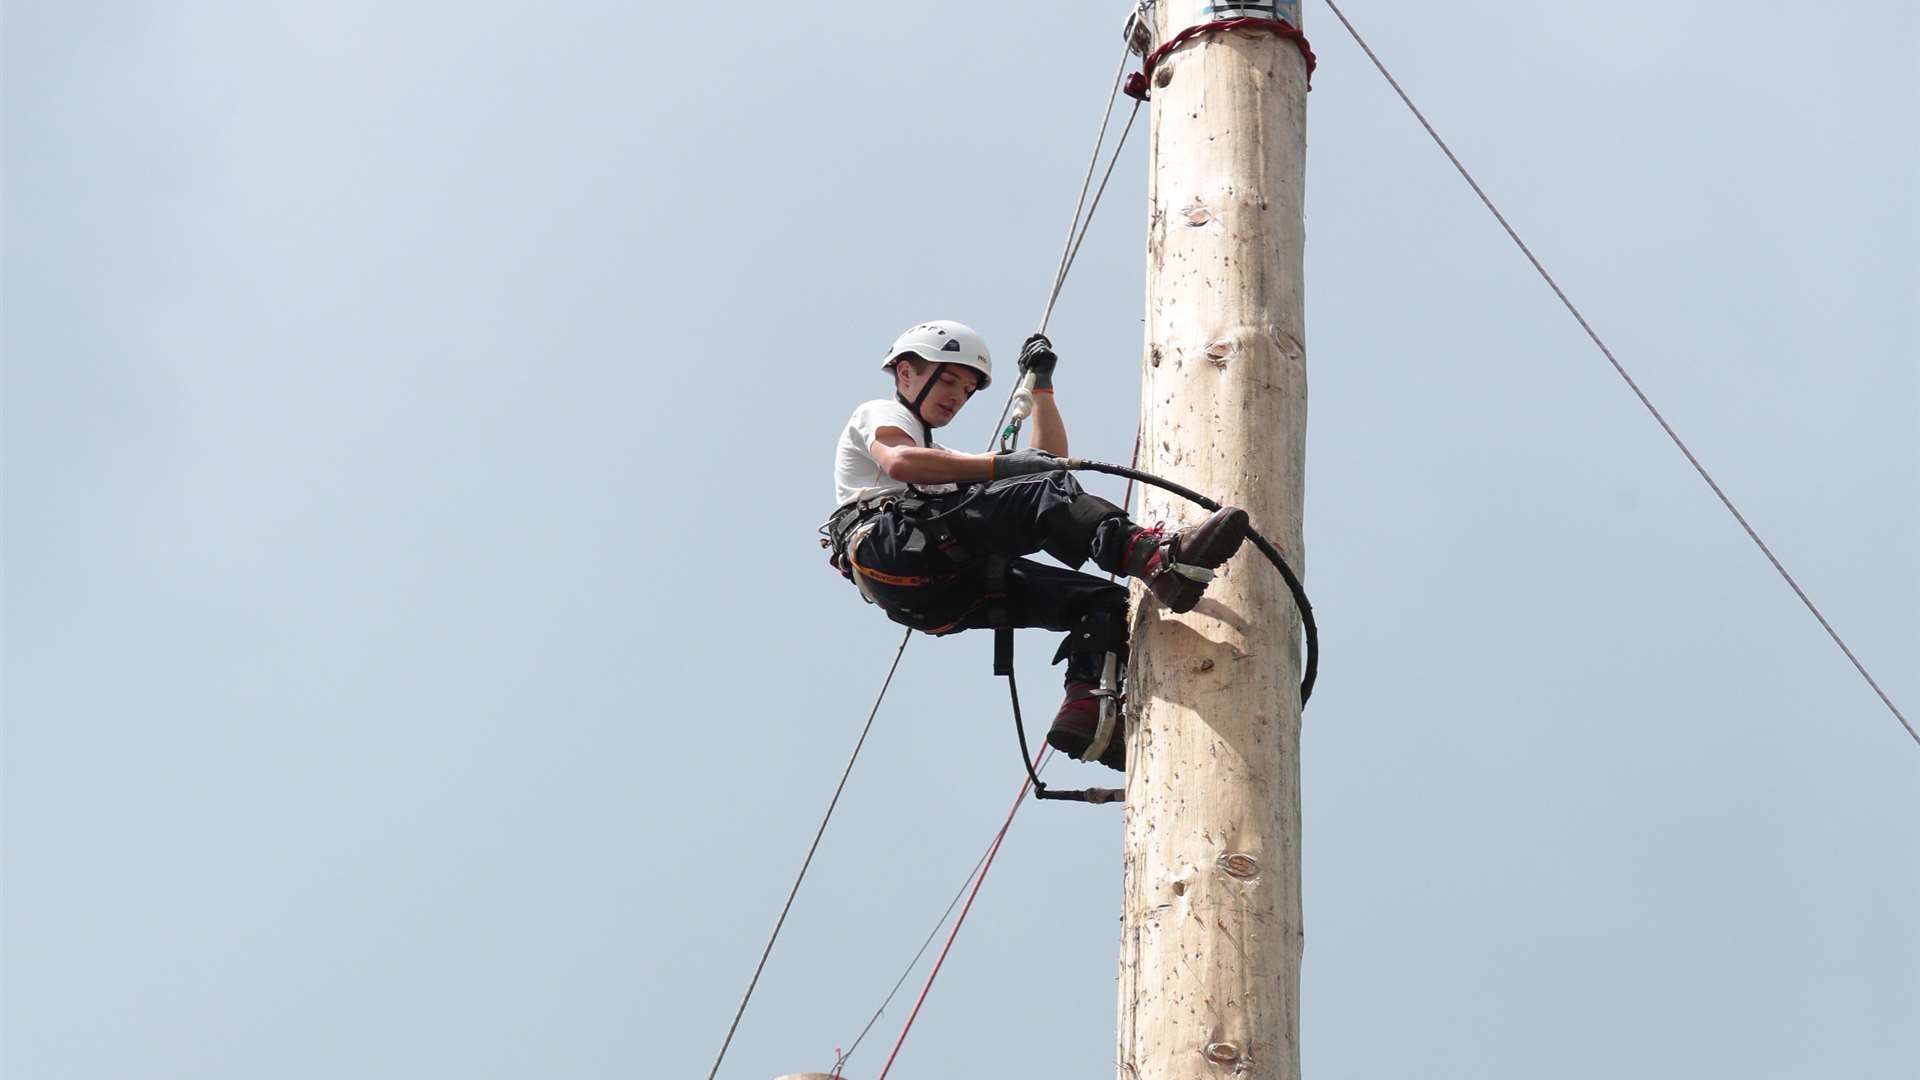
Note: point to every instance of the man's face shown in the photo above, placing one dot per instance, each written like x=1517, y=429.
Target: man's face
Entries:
x=951, y=389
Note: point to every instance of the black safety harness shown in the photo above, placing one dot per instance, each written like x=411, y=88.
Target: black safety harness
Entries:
x=931, y=529
x=840, y=534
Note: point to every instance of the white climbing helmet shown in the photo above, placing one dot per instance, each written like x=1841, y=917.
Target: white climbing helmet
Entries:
x=944, y=342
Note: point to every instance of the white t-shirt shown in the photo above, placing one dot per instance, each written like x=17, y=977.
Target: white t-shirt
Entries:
x=856, y=475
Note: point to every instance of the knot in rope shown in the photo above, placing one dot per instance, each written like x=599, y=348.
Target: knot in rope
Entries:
x=1140, y=82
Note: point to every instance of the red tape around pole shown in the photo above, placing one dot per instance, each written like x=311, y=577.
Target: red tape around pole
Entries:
x=1140, y=82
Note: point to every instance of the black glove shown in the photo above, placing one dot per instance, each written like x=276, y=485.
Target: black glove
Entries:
x=1037, y=359
x=1025, y=463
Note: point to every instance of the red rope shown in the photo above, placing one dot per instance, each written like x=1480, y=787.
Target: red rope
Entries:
x=1139, y=82
x=1018, y=801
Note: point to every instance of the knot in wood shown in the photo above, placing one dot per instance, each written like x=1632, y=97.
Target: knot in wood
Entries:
x=1240, y=865
x=1222, y=1053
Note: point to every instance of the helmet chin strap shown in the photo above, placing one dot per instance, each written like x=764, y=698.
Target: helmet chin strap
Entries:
x=921, y=399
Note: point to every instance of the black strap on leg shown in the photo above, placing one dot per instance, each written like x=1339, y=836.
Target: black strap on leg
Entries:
x=995, y=595
x=996, y=598
x=1099, y=631
x=930, y=528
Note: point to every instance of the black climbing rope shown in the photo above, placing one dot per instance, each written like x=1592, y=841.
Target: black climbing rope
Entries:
x=1312, y=664
x=1003, y=639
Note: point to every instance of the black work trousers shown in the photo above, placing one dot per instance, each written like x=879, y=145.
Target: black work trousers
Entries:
x=930, y=569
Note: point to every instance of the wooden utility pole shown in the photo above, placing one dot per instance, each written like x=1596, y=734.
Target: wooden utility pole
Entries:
x=1211, y=933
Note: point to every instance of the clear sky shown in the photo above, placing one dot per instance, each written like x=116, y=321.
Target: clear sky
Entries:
x=418, y=662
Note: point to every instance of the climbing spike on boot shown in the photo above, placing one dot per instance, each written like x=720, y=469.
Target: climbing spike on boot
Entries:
x=1176, y=569
x=1075, y=725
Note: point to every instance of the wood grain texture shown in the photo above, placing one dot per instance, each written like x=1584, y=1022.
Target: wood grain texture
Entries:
x=1211, y=932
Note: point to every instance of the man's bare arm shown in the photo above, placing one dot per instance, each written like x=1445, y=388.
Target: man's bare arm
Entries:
x=1049, y=430
x=911, y=463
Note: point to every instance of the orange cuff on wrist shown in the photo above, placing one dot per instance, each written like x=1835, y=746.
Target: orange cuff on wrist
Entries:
x=1043, y=389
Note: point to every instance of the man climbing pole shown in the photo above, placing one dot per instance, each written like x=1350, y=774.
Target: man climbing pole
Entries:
x=935, y=536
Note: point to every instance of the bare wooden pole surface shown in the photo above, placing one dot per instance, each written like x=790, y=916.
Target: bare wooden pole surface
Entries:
x=1211, y=929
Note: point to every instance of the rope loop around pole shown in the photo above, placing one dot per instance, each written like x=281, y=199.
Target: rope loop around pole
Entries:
x=1140, y=83
x=1310, y=628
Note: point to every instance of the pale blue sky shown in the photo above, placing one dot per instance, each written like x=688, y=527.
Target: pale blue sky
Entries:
x=418, y=661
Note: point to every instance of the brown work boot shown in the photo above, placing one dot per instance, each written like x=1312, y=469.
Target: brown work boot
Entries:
x=1078, y=721
x=1153, y=557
